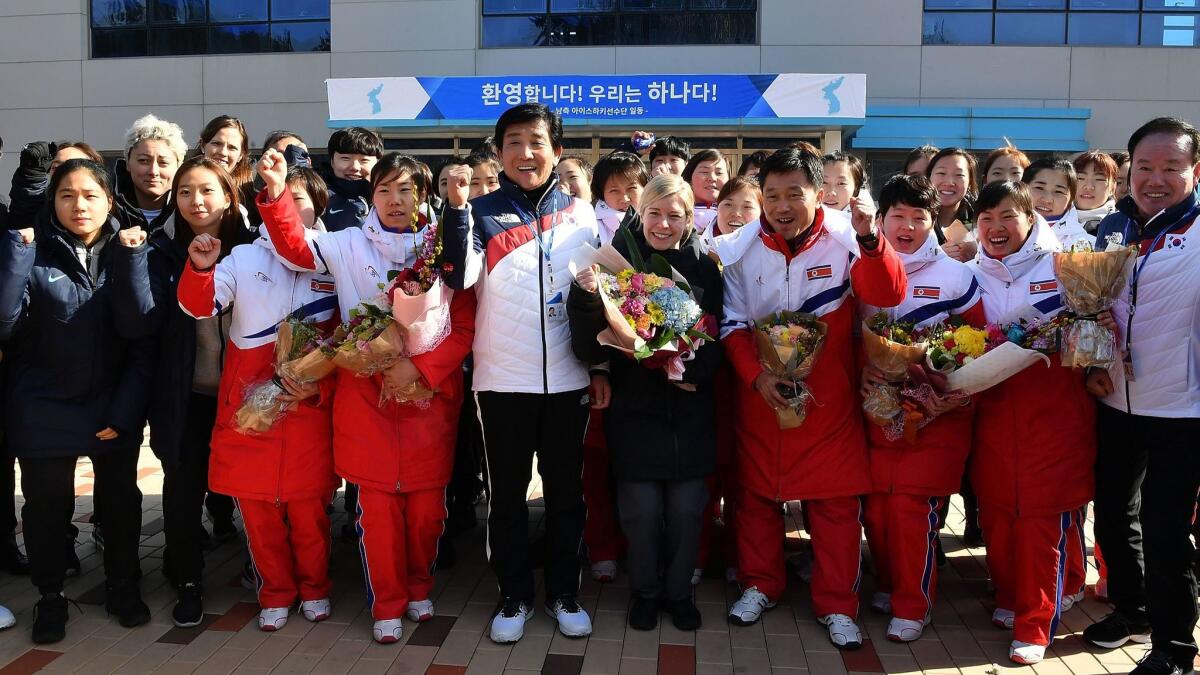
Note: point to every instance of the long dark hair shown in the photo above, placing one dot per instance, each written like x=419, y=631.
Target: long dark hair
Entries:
x=233, y=228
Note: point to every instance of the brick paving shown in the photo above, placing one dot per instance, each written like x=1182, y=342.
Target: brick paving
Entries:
x=787, y=641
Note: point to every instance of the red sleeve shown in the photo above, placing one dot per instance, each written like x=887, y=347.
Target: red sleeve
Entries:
x=197, y=290
x=286, y=230
x=437, y=365
x=742, y=352
x=878, y=276
x=975, y=316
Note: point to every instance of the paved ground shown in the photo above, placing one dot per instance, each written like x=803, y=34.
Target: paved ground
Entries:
x=788, y=640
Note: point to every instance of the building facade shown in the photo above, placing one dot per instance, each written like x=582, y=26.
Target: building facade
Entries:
x=942, y=71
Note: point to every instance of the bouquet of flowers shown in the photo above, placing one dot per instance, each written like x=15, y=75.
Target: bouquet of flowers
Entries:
x=1089, y=282
x=973, y=359
x=652, y=315
x=788, y=343
x=301, y=355
x=370, y=341
x=891, y=347
x=1041, y=335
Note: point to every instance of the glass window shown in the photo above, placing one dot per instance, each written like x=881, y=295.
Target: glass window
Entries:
x=178, y=41
x=1085, y=28
x=524, y=23
x=652, y=29
x=722, y=29
x=1171, y=5
x=567, y=6
x=958, y=4
x=581, y=29
x=1111, y=5
x=514, y=31
x=1031, y=4
x=1030, y=28
x=1170, y=30
x=240, y=38
x=957, y=28
x=304, y=36
x=177, y=11
x=651, y=5
x=123, y=42
x=299, y=9
x=722, y=4
x=112, y=13
x=237, y=10
x=513, y=6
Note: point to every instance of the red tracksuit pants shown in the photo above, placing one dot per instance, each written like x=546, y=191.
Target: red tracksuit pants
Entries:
x=1027, y=557
x=1076, y=576
x=902, y=532
x=289, y=547
x=398, y=542
x=601, y=533
x=836, y=528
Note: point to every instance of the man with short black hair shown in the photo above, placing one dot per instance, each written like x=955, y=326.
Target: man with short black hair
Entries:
x=1147, y=465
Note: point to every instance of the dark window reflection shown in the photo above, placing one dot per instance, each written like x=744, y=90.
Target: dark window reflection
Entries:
x=237, y=10
x=955, y=28
x=1085, y=28
x=179, y=41
x=177, y=11
x=111, y=13
x=618, y=22
x=299, y=9
x=114, y=43
x=1029, y=28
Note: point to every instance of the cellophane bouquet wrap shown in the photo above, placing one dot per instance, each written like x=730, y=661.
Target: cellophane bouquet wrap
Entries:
x=891, y=347
x=301, y=355
x=1090, y=282
x=788, y=344
x=420, y=307
x=652, y=315
x=370, y=341
x=974, y=360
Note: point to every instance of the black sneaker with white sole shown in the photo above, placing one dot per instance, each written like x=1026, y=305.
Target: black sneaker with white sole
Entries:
x=1159, y=662
x=189, y=608
x=1116, y=629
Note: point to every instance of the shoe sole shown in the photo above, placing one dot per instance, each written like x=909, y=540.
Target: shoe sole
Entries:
x=560, y=626
x=186, y=624
x=316, y=618
x=896, y=638
x=8, y=624
x=269, y=628
x=508, y=640
x=387, y=640
x=1023, y=661
x=1141, y=639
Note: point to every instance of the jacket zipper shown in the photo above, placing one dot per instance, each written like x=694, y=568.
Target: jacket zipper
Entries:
x=541, y=297
x=787, y=283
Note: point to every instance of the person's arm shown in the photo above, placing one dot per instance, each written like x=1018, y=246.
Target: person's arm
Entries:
x=131, y=397
x=462, y=243
x=208, y=292
x=737, y=332
x=133, y=300
x=877, y=275
x=435, y=366
x=585, y=315
x=286, y=230
x=16, y=263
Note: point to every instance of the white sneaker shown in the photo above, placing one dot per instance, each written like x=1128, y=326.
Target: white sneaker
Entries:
x=7, y=620
x=731, y=576
x=604, y=571
x=697, y=574
x=1003, y=618
x=388, y=631
x=1068, y=601
x=272, y=618
x=572, y=620
x=747, y=610
x=882, y=603
x=843, y=632
x=315, y=610
x=905, y=630
x=509, y=623
x=419, y=611
x=1025, y=653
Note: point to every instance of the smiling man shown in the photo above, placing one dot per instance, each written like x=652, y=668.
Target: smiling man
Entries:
x=1148, y=426
x=513, y=246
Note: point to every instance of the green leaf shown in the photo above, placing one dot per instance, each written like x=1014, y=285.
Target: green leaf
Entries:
x=635, y=254
x=700, y=335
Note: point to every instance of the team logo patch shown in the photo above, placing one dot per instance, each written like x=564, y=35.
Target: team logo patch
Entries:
x=372, y=272
x=507, y=218
x=322, y=286
x=262, y=277
x=931, y=292
x=1039, y=287
x=1176, y=241
x=819, y=272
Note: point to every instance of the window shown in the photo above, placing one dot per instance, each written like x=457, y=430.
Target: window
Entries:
x=558, y=23
x=179, y=27
x=1162, y=23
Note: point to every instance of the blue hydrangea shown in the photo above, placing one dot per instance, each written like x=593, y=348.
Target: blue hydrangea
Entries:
x=681, y=311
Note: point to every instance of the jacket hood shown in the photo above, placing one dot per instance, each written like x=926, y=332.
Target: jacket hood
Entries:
x=1040, y=243
x=401, y=248
x=1163, y=220
x=264, y=235
x=1068, y=228
x=928, y=254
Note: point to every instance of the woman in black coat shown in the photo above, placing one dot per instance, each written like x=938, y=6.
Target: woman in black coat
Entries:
x=76, y=387
x=661, y=435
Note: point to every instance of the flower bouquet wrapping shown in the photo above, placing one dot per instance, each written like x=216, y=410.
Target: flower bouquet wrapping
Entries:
x=301, y=355
x=891, y=347
x=788, y=344
x=1089, y=282
x=651, y=312
x=974, y=359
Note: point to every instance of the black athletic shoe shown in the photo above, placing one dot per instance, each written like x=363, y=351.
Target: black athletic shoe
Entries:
x=189, y=609
x=50, y=619
x=684, y=614
x=125, y=601
x=1158, y=662
x=1116, y=629
x=643, y=614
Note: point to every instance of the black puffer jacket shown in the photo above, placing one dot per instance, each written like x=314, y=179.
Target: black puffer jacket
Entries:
x=125, y=207
x=70, y=371
x=655, y=430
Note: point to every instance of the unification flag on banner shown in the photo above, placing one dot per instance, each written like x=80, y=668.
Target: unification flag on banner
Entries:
x=600, y=97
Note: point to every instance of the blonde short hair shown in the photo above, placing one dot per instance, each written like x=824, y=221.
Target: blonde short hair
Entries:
x=667, y=185
x=150, y=128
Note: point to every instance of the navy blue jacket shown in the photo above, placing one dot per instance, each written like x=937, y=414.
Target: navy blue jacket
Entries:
x=70, y=371
x=349, y=202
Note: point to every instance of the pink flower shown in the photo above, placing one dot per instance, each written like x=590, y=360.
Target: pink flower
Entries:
x=638, y=283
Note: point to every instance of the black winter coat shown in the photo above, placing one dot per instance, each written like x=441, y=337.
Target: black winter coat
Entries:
x=70, y=370
x=655, y=430
x=125, y=207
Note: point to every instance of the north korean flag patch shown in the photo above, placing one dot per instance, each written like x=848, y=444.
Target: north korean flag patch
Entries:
x=819, y=272
x=322, y=286
x=1040, y=287
x=930, y=292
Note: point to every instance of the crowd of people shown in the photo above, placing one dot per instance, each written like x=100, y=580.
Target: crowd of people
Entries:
x=152, y=292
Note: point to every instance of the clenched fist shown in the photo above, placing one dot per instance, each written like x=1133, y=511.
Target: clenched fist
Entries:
x=458, y=185
x=204, y=251
x=273, y=169
x=132, y=237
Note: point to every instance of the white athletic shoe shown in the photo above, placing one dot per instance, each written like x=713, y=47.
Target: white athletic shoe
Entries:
x=1068, y=601
x=572, y=620
x=419, y=611
x=905, y=630
x=509, y=623
x=604, y=571
x=388, y=631
x=843, y=632
x=1025, y=653
x=315, y=610
x=272, y=618
x=697, y=574
x=747, y=610
x=1003, y=618
x=882, y=603
x=7, y=620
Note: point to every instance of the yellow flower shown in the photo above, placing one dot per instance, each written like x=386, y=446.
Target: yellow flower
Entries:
x=657, y=316
x=643, y=323
x=631, y=322
x=970, y=341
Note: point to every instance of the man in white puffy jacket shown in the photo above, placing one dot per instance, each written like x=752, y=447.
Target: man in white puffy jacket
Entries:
x=513, y=246
x=1147, y=466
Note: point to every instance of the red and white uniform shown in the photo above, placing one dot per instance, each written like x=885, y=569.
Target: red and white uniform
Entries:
x=401, y=456
x=705, y=217
x=825, y=460
x=608, y=220
x=1034, y=448
x=1071, y=234
x=282, y=478
x=909, y=482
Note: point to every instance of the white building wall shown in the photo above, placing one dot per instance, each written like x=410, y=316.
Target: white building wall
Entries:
x=49, y=89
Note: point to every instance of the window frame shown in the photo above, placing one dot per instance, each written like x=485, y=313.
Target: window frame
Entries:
x=1070, y=10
